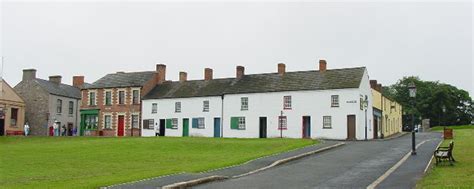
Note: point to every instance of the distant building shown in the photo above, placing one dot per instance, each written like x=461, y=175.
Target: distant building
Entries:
x=111, y=106
x=12, y=111
x=332, y=104
x=49, y=101
x=387, y=113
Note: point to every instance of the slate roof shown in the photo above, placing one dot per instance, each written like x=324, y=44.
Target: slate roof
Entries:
x=261, y=83
x=122, y=79
x=60, y=90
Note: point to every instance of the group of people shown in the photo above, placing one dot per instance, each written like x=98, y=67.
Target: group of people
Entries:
x=54, y=130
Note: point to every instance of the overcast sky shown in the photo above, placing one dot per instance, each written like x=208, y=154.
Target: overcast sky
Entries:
x=392, y=39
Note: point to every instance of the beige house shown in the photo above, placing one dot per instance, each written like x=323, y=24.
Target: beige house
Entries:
x=12, y=111
x=387, y=113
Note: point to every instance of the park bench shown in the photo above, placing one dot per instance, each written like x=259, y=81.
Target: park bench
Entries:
x=445, y=154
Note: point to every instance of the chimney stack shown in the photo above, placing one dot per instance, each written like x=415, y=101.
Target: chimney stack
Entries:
x=208, y=74
x=379, y=87
x=281, y=69
x=55, y=79
x=240, y=72
x=78, y=81
x=322, y=66
x=161, y=73
x=373, y=84
x=29, y=74
x=183, y=76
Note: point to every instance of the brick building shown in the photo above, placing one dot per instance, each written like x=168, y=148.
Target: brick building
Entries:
x=49, y=101
x=111, y=106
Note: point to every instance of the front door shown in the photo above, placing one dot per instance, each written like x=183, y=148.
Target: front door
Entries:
x=376, y=128
x=120, y=125
x=69, y=129
x=263, y=127
x=185, y=127
x=217, y=127
x=306, y=127
x=351, y=127
x=162, y=127
x=2, y=127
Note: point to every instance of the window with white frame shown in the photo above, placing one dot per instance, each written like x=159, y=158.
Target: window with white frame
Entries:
x=174, y=123
x=59, y=106
x=148, y=124
x=287, y=102
x=282, y=123
x=108, y=98
x=107, y=121
x=135, y=122
x=177, y=107
x=136, y=97
x=92, y=99
x=154, y=108
x=71, y=108
x=327, y=122
x=241, y=123
x=121, y=97
x=205, y=106
x=335, y=101
x=244, y=103
x=200, y=123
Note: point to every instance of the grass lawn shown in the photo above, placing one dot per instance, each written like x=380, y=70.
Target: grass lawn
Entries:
x=83, y=162
x=461, y=175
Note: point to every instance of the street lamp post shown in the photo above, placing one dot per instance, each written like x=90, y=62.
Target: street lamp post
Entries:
x=412, y=92
x=366, y=104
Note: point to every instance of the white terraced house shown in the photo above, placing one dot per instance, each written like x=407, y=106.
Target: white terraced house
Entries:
x=330, y=104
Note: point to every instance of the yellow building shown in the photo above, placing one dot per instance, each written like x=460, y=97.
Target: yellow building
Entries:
x=387, y=113
x=12, y=111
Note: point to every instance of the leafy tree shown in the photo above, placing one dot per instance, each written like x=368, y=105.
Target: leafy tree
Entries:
x=430, y=99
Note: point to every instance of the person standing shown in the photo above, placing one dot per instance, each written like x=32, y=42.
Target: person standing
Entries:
x=27, y=129
x=56, y=128
x=74, y=131
x=64, y=130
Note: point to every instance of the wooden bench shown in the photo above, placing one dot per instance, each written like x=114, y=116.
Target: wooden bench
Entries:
x=445, y=154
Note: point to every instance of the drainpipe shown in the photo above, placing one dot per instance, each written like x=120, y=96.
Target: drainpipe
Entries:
x=222, y=115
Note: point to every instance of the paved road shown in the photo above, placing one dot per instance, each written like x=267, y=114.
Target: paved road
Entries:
x=355, y=165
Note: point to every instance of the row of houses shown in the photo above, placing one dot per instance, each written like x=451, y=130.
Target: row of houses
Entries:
x=322, y=103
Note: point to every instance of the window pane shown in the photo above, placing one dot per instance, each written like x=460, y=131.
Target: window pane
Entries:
x=154, y=108
x=71, y=107
x=136, y=98
x=108, y=98
x=121, y=97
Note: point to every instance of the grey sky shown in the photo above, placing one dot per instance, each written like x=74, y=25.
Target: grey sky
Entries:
x=394, y=39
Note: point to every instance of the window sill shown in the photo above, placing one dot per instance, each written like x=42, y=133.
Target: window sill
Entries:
x=283, y=129
x=327, y=127
x=287, y=108
x=244, y=109
x=334, y=106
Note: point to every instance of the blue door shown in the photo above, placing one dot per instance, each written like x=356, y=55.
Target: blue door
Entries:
x=217, y=127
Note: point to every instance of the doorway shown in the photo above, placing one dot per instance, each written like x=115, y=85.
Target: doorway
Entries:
x=185, y=127
x=376, y=128
x=2, y=127
x=217, y=127
x=162, y=127
x=306, y=127
x=351, y=127
x=69, y=129
x=263, y=127
x=120, y=125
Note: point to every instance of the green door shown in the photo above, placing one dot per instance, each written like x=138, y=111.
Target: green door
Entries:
x=185, y=127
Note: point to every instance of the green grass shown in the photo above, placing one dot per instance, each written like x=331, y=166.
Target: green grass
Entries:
x=440, y=128
x=461, y=175
x=83, y=162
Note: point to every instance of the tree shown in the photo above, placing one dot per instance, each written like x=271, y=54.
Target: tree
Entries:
x=431, y=97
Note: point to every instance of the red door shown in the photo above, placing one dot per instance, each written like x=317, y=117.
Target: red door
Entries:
x=120, y=125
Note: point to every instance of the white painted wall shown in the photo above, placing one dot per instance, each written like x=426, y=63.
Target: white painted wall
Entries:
x=315, y=104
x=190, y=108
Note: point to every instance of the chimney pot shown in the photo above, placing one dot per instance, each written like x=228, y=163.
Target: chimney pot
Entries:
x=29, y=74
x=281, y=69
x=161, y=73
x=322, y=65
x=208, y=74
x=78, y=81
x=55, y=79
x=240, y=72
x=183, y=76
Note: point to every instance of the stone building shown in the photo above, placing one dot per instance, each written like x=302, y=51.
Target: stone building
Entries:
x=111, y=106
x=49, y=101
x=12, y=111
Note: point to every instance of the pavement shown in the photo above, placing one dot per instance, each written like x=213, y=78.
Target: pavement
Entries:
x=234, y=171
x=355, y=165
